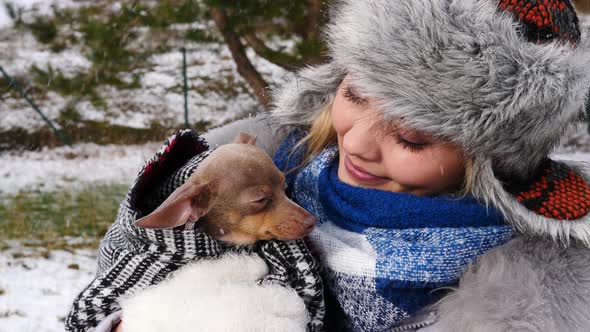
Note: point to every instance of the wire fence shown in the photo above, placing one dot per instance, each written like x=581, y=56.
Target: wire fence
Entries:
x=12, y=83
x=15, y=85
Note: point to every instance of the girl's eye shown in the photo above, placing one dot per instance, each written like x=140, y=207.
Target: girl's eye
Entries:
x=411, y=146
x=354, y=98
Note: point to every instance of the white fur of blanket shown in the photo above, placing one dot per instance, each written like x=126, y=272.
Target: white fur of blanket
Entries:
x=216, y=295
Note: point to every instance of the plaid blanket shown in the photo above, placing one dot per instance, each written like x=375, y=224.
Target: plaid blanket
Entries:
x=132, y=258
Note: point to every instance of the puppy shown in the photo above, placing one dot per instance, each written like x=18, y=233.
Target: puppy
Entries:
x=236, y=195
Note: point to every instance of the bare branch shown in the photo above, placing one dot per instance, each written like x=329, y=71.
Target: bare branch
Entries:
x=281, y=59
x=314, y=12
x=245, y=67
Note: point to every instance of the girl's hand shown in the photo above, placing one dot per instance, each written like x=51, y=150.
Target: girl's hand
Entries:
x=118, y=328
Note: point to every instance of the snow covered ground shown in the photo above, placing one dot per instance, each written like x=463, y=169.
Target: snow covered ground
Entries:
x=72, y=167
x=38, y=286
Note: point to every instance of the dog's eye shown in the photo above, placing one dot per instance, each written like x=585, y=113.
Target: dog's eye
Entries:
x=257, y=205
x=262, y=200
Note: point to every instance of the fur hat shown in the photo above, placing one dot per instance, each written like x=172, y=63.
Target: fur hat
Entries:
x=503, y=79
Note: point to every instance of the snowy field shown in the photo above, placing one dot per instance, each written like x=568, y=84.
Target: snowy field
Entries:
x=72, y=167
x=38, y=286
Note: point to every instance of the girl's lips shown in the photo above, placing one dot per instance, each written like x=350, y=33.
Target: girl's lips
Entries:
x=360, y=174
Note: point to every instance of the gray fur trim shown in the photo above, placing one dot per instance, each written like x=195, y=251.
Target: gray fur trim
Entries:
x=299, y=99
x=524, y=285
x=453, y=68
x=267, y=137
x=489, y=190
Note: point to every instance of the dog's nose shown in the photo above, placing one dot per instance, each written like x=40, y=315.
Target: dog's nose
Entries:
x=309, y=221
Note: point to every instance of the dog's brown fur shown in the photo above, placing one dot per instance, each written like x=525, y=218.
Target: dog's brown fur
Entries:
x=236, y=195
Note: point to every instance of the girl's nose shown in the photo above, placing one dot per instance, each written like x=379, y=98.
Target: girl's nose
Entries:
x=360, y=141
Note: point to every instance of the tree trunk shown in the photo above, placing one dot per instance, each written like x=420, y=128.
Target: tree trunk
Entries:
x=314, y=14
x=238, y=52
x=280, y=59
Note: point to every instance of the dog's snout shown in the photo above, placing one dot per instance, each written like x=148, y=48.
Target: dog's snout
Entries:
x=293, y=221
x=309, y=221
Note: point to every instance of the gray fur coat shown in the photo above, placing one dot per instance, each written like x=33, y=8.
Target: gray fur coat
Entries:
x=532, y=283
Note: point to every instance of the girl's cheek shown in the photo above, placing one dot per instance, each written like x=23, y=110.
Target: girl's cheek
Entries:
x=434, y=171
x=341, y=119
x=447, y=172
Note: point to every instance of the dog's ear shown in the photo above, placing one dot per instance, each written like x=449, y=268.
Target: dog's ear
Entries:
x=187, y=203
x=245, y=138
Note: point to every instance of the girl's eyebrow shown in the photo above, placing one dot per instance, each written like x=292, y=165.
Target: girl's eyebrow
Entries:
x=351, y=92
x=353, y=97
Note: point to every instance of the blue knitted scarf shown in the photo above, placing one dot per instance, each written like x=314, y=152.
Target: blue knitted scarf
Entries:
x=385, y=253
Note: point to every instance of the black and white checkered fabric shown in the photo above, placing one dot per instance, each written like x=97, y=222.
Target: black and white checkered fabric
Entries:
x=176, y=179
x=132, y=258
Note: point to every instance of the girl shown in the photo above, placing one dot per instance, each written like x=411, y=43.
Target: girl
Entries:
x=422, y=149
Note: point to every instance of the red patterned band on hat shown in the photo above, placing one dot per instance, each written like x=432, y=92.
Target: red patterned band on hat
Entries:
x=543, y=21
x=558, y=192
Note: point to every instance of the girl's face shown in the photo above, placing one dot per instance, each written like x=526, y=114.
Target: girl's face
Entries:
x=402, y=161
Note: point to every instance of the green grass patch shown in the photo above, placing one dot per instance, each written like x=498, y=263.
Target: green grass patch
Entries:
x=224, y=84
x=107, y=43
x=85, y=131
x=49, y=216
x=7, y=90
x=202, y=36
x=165, y=13
x=81, y=84
x=109, y=36
x=4, y=88
x=44, y=29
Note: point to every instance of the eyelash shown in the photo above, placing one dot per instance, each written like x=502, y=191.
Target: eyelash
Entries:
x=264, y=200
x=268, y=202
x=353, y=97
x=412, y=147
